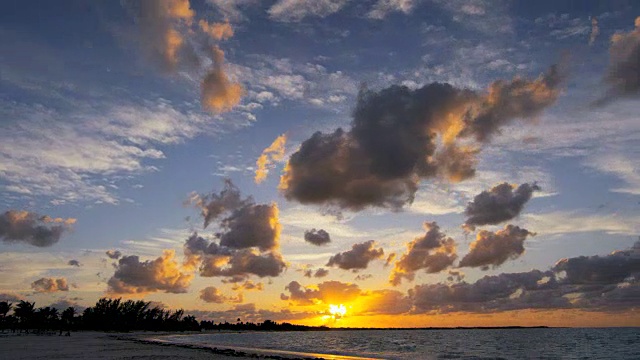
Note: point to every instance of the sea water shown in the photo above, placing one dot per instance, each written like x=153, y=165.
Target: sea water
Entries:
x=543, y=343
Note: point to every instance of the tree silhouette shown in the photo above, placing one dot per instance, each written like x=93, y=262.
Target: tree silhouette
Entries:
x=131, y=315
x=5, y=307
x=24, y=312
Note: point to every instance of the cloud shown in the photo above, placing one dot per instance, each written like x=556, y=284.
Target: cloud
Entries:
x=595, y=30
x=33, y=229
x=599, y=283
x=111, y=141
x=328, y=292
x=383, y=7
x=74, y=262
x=217, y=31
x=249, y=313
x=518, y=98
x=358, y=257
x=231, y=9
x=252, y=226
x=167, y=37
x=133, y=276
x=10, y=297
x=383, y=302
x=214, y=205
x=273, y=153
x=249, y=286
x=113, y=254
x=624, y=65
x=160, y=26
x=296, y=10
x=218, y=93
x=317, y=237
x=502, y=203
x=432, y=253
x=64, y=304
x=243, y=263
x=494, y=249
x=400, y=136
x=48, y=285
x=212, y=294
x=319, y=273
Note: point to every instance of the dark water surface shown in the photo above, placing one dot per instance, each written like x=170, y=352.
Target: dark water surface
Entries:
x=577, y=343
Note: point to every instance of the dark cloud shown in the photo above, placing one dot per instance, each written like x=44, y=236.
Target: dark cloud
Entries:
x=400, y=136
x=33, y=229
x=113, y=254
x=610, y=269
x=244, y=262
x=248, y=238
x=212, y=294
x=623, y=75
x=214, y=205
x=599, y=283
x=494, y=249
x=133, y=276
x=252, y=226
x=10, y=297
x=328, y=292
x=74, y=263
x=432, y=253
x=47, y=285
x=358, y=257
x=321, y=272
x=317, y=237
x=249, y=286
x=502, y=203
x=508, y=100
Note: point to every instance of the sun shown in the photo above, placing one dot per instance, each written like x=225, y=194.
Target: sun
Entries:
x=337, y=311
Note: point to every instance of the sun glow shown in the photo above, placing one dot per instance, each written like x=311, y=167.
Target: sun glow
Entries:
x=337, y=311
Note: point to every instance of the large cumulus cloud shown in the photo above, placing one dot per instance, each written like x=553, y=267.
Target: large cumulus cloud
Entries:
x=501, y=203
x=400, y=136
x=133, y=276
x=598, y=283
x=248, y=237
x=495, y=248
x=327, y=292
x=432, y=253
x=32, y=229
x=358, y=257
x=47, y=285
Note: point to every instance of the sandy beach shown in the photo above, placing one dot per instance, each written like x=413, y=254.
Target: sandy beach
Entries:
x=98, y=345
x=93, y=345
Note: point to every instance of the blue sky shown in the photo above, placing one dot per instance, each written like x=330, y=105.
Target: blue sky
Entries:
x=92, y=127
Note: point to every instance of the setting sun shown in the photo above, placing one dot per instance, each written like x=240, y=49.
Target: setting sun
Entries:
x=337, y=311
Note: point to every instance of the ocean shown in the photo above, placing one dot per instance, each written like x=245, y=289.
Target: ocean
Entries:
x=542, y=343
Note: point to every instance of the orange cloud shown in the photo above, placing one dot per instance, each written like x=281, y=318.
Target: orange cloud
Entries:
x=273, y=153
x=217, y=31
x=218, y=93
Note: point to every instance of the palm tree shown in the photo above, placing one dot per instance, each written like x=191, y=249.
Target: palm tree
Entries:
x=24, y=311
x=5, y=307
x=68, y=317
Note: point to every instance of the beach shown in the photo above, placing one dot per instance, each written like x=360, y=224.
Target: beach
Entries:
x=93, y=345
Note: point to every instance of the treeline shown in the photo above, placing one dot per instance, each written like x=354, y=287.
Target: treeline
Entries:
x=117, y=315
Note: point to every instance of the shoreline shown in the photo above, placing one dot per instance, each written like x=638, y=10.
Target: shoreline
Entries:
x=101, y=345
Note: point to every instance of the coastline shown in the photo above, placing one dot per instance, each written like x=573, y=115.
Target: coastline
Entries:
x=100, y=345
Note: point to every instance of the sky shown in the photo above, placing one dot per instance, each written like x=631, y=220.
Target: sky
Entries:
x=330, y=162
